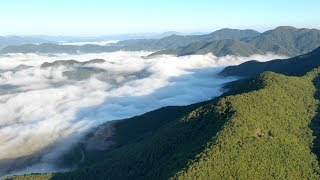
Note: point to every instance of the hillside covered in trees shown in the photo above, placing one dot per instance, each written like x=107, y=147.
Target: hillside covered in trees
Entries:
x=265, y=127
x=298, y=66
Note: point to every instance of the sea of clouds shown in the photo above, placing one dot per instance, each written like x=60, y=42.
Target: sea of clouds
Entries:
x=44, y=111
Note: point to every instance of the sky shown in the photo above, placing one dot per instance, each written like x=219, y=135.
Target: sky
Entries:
x=105, y=17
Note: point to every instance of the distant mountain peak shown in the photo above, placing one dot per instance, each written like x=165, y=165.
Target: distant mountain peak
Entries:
x=234, y=30
x=173, y=35
x=285, y=28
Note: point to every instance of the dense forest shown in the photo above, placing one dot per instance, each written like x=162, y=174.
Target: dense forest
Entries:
x=264, y=127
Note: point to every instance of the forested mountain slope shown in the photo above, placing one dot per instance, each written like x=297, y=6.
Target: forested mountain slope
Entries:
x=287, y=40
x=218, y=48
x=263, y=132
x=298, y=65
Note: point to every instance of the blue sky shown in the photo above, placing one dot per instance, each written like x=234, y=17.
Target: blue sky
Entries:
x=102, y=17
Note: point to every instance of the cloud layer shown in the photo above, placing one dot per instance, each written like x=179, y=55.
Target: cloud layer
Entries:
x=45, y=110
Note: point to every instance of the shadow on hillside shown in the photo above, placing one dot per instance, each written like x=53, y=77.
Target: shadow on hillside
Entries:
x=159, y=153
x=200, y=85
x=315, y=123
x=158, y=144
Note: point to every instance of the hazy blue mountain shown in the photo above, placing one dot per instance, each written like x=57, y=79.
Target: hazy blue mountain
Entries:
x=168, y=42
x=55, y=48
x=105, y=37
x=177, y=41
x=284, y=40
x=18, y=40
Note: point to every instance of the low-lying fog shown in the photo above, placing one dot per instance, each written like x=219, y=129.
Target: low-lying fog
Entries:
x=45, y=109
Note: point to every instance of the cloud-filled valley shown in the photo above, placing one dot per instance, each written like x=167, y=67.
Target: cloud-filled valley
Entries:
x=44, y=110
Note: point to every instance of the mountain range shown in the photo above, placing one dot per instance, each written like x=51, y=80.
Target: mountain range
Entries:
x=265, y=126
x=56, y=48
x=283, y=40
x=172, y=41
x=218, y=48
x=177, y=41
x=39, y=39
x=19, y=40
x=104, y=37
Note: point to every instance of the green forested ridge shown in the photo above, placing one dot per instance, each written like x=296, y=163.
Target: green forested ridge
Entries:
x=268, y=136
x=264, y=133
x=297, y=66
x=287, y=40
x=218, y=48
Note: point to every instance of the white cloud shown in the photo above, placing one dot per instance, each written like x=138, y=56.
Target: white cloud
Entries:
x=45, y=113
